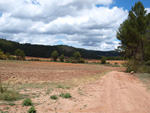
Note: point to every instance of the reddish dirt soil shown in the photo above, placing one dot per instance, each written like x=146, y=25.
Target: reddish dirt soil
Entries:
x=115, y=92
x=33, y=71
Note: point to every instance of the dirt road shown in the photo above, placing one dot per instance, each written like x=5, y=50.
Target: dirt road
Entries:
x=117, y=92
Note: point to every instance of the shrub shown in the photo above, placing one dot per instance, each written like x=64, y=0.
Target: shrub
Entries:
x=62, y=58
x=74, y=61
x=8, y=55
x=54, y=97
x=116, y=63
x=60, y=86
x=144, y=69
x=81, y=60
x=66, y=95
x=54, y=55
x=20, y=55
x=147, y=63
x=131, y=66
x=76, y=55
x=10, y=96
x=103, y=60
x=34, y=59
x=12, y=104
x=32, y=110
x=67, y=61
x=27, y=102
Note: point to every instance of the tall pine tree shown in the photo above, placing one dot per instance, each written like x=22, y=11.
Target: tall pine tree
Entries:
x=132, y=33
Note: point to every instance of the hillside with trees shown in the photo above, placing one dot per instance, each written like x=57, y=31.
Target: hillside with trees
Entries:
x=46, y=51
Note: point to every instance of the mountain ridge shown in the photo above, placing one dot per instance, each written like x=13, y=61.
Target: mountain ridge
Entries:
x=45, y=51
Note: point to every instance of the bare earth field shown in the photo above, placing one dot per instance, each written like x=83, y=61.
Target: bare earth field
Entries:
x=94, y=88
x=33, y=71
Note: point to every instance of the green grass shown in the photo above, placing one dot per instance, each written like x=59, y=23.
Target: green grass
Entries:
x=65, y=95
x=10, y=96
x=12, y=104
x=63, y=86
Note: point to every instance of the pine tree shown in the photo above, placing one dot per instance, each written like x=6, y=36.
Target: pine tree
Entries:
x=132, y=33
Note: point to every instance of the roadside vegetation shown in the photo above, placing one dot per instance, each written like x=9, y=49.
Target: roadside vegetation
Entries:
x=7, y=94
x=145, y=78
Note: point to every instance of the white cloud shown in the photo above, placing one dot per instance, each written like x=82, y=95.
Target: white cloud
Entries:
x=148, y=10
x=73, y=22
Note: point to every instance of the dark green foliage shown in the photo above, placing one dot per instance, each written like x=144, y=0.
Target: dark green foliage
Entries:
x=54, y=55
x=2, y=55
x=115, y=58
x=132, y=33
x=81, y=60
x=147, y=63
x=54, y=97
x=32, y=110
x=65, y=95
x=134, y=36
x=77, y=58
x=20, y=55
x=8, y=55
x=103, y=60
x=62, y=58
x=76, y=55
x=27, y=102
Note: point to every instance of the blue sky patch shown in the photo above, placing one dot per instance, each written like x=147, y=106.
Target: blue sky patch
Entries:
x=35, y=2
x=1, y=14
x=128, y=4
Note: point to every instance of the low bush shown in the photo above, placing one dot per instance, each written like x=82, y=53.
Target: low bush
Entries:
x=34, y=59
x=12, y=104
x=81, y=60
x=54, y=97
x=32, y=110
x=132, y=66
x=65, y=95
x=103, y=60
x=74, y=61
x=137, y=66
x=27, y=102
x=147, y=63
x=10, y=96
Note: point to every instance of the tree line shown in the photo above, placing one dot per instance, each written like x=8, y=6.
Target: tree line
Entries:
x=46, y=51
x=20, y=55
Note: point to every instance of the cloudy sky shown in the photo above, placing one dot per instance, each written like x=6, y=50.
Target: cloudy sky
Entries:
x=89, y=24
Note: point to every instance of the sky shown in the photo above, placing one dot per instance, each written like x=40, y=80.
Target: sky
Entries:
x=88, y=24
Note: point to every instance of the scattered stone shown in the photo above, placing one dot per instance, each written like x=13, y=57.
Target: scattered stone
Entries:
x=12, y=76
x=132, y=72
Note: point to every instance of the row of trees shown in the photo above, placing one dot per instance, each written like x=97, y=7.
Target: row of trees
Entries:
x=19, y=55
x=75, y=59
x=134, y=34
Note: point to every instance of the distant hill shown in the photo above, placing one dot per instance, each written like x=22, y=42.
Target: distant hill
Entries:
x=45, y=51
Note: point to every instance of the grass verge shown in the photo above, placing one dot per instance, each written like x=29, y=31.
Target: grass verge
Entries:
x=145, y=78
